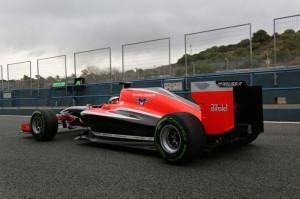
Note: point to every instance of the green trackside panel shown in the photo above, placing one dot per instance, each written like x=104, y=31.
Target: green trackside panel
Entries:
x=58, y=84
x=292, y=96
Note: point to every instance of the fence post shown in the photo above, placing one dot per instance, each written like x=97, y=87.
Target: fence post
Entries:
x=2, y=78
x=30, y=80
x=185, y=61
x=170, y=55
x=38, y=76
x=274, y=40
x=251, y=50
x=185, y=56
x=123, y=75
x=75, y=72
x=66, y=75
x=7, y=71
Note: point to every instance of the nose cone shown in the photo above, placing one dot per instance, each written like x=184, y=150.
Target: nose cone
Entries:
x=25, y=127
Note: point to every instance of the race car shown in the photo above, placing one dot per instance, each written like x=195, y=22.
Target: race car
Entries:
x=217, y=113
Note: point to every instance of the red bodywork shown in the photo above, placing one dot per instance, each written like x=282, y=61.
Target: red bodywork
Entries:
x=214, y=108
x=217, y=109
x=25, y=127
x=159, y=104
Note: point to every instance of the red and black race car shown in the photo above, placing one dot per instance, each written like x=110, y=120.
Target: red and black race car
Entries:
x=220, y=112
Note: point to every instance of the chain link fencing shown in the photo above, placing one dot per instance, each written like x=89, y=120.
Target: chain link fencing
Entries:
x=94, y=65
x=286, y=40
x=146, y=59
x=52, y=70
x=19, y=76
x=220, y=49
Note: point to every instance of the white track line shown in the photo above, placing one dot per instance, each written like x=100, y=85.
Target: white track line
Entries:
x=14, y=116
x=280, y=122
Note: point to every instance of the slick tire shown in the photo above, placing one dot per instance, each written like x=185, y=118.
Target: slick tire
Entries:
x=179, y=137
x=44, y=125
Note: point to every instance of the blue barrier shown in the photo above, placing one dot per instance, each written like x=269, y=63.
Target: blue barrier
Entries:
x=278, y=82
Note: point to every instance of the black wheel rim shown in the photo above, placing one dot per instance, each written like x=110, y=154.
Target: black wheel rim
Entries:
x=37, y=125
x=170, y=139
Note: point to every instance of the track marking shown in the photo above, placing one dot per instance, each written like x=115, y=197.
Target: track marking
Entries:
x=280, y=122
x=15, y=116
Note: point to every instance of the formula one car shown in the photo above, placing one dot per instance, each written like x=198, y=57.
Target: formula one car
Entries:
x=220, y=112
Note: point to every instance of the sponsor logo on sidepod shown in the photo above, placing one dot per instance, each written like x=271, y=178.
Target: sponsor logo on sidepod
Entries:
x=219, y=107
x=141, y=101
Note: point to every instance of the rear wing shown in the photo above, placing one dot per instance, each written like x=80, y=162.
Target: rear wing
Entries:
x=227, y=104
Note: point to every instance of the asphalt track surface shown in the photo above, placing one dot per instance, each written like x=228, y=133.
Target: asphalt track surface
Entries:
x=268, y=168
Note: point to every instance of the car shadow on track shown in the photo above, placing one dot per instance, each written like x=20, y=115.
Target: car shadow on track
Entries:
x=208, y=157
x=128, y=149
x=211, y=157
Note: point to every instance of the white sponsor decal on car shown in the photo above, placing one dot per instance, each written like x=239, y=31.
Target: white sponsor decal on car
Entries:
x=219, y=107
x=143, y=95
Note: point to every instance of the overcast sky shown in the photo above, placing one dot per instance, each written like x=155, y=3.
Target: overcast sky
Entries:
x=33, y=29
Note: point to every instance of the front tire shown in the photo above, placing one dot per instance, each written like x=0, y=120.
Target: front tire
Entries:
x=179, y=137
x=43, y=125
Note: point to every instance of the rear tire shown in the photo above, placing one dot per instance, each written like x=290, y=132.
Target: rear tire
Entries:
x=43, y=125
x=179, y=137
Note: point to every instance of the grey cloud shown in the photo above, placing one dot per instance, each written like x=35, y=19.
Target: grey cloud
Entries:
x=39, y=26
